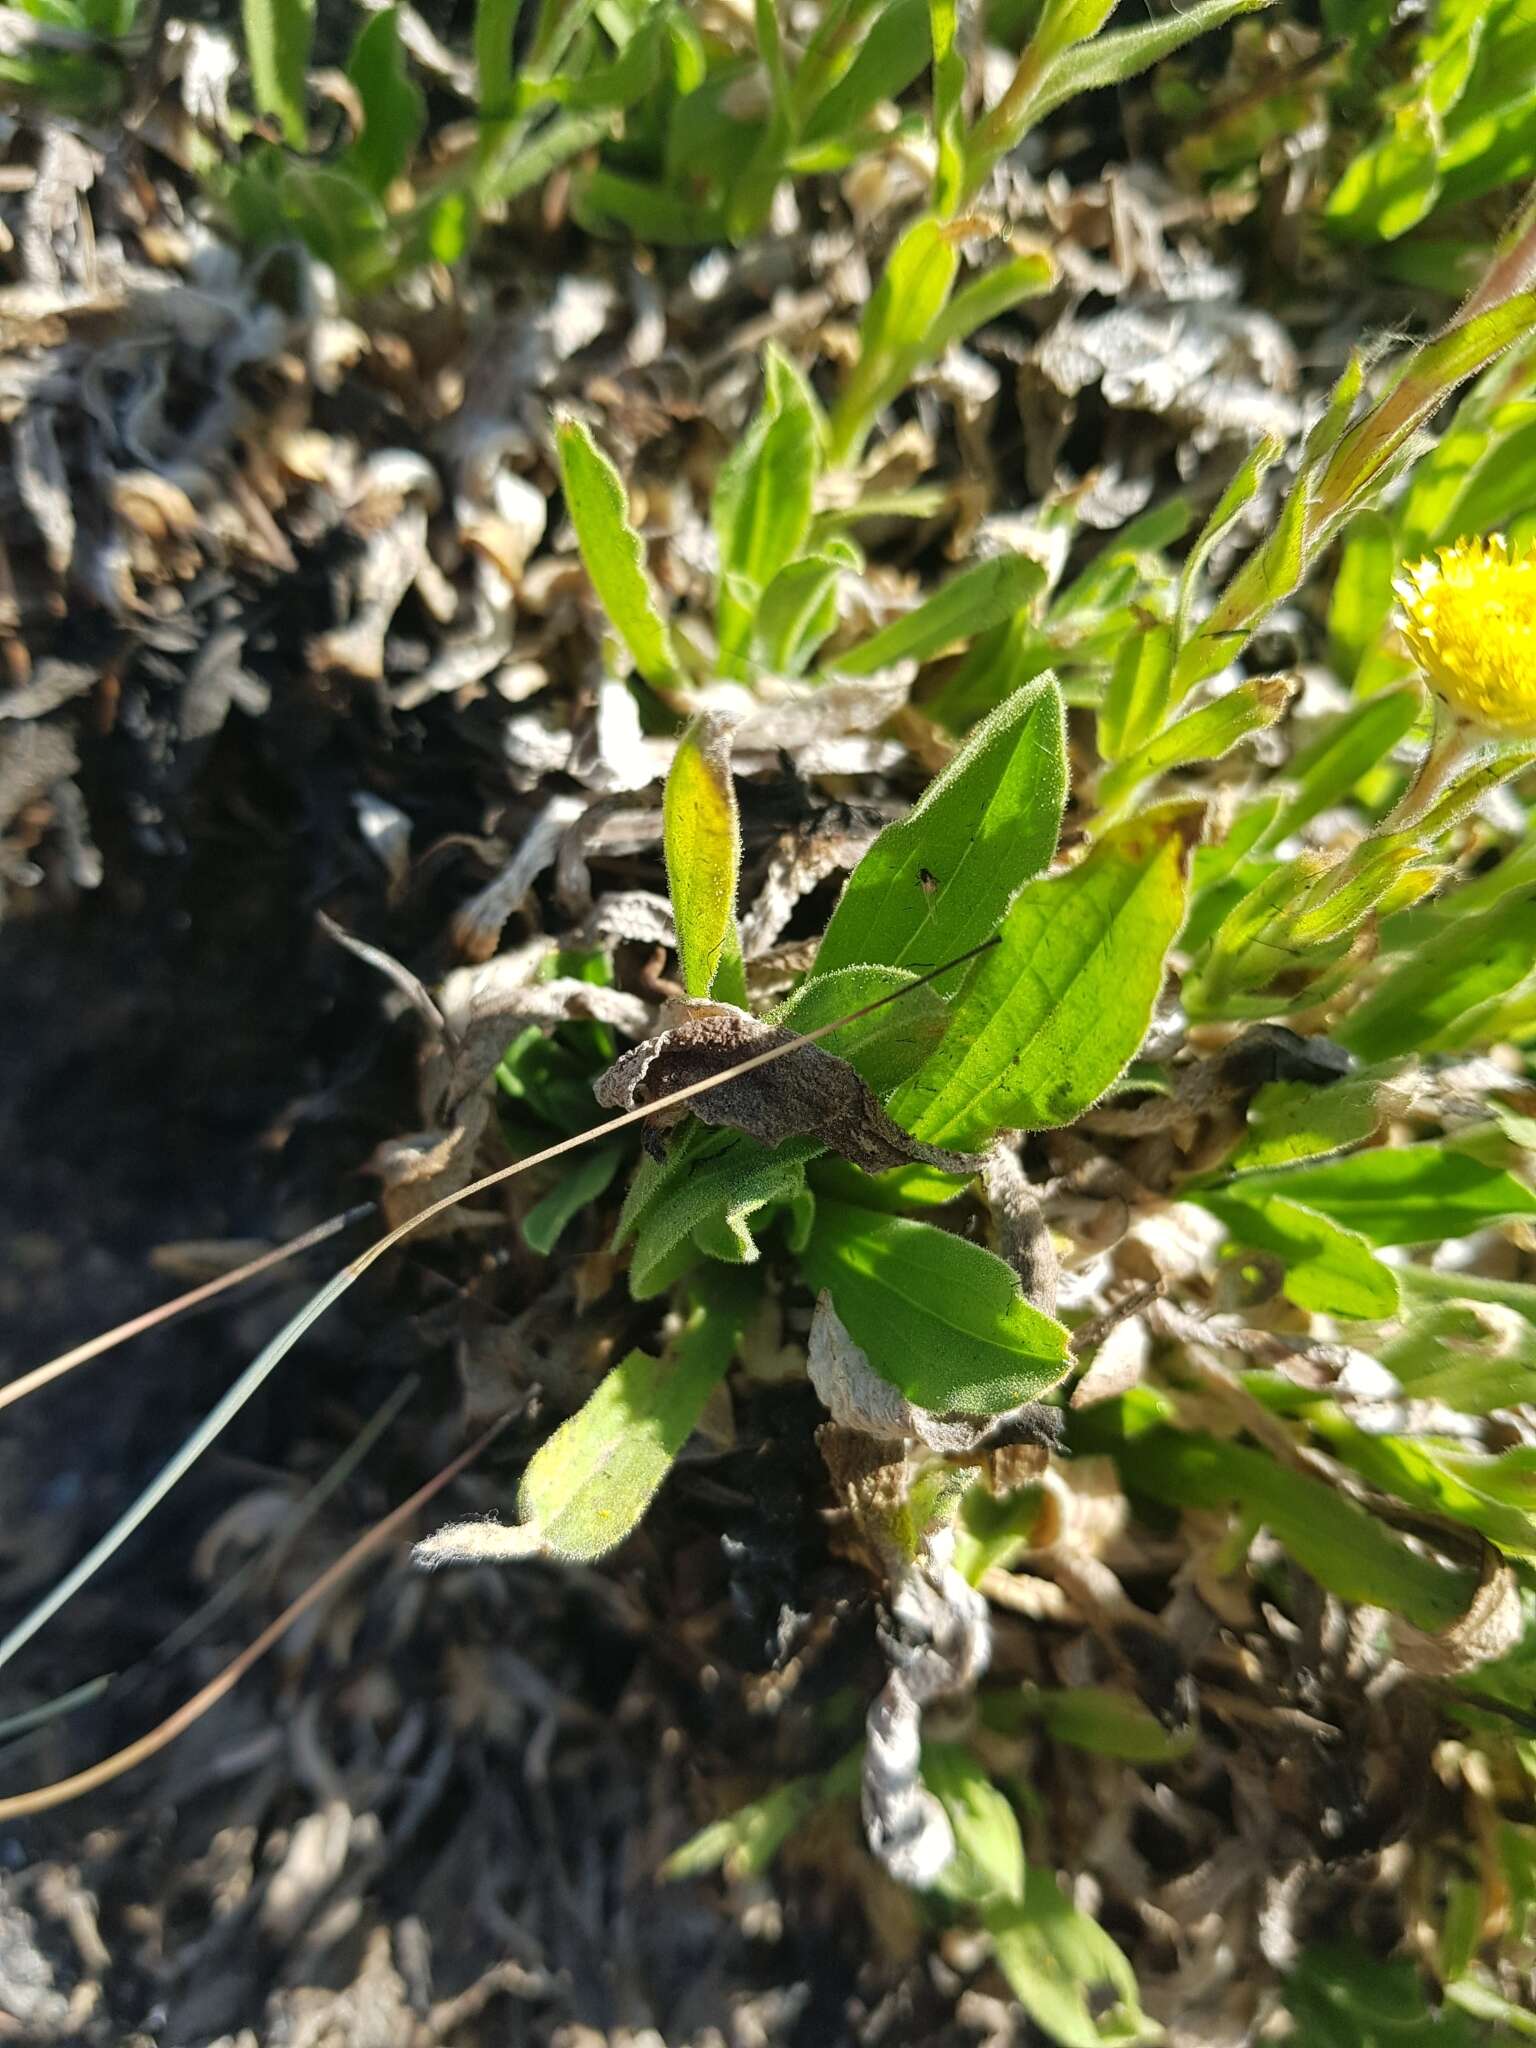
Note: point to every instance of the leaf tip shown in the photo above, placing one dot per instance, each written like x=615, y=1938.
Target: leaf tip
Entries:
x=476, y=1542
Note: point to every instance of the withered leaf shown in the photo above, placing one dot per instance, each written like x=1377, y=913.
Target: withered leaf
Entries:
x=811, y=1093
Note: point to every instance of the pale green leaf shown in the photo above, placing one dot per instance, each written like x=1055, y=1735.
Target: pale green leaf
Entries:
x=762, y=502
x=988, y=1863
x=1140, y=693
x=1203, y=735
x=589, y=1484
x=612, y=550
x=893, y=336
x=278, y=35
x=968, y=604
x=1064, y=1970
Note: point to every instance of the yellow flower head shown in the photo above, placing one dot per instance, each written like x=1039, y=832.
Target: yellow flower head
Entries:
x=1469, y=617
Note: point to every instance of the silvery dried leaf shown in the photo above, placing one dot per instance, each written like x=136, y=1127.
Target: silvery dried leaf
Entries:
x=477, y=926
x=798, y=864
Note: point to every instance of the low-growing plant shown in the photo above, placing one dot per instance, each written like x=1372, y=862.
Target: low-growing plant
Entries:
x=1073, y=951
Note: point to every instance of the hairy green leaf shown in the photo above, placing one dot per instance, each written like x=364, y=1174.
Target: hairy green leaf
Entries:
x=939, y=880
x=968, y=604
x=1436, y=998
x=1048, y=1019
x=704, y=1181
x=612, y=550
x=886, y=1047
x=939, y=1317
x=589, y=1484
x=1292, y=1120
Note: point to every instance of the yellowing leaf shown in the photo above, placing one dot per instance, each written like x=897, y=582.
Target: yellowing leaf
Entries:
x=702, y=839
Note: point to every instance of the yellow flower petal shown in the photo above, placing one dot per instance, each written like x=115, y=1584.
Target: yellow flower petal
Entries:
x=1469, y=618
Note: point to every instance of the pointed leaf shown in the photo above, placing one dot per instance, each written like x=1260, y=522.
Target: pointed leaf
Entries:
x=1049, y=1019
x=762, y=503
x=940, y=879
x=968, y=604
x=1405, y=1194
x=612, y=550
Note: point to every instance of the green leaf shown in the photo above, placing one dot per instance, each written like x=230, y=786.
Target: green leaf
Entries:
x=1292, y=1120
x=988, y=297
x=948, y=114
x=589, y=1484
x=745, y=1842
x=1064, y=69
x=1434, y=1000
x=1064, y=1970
x=393, y=106
x=701, y=836
x=1140, y=693
x=939, y=880
x=581, y=1183
x=1048, y=1020
x=1362, y=592
x=1390, y=186
x=1405, y=1194
x=612, y=550
x=278, y=35
x=1328, y=1269
x=1202, y=735
x=1342, y=1544
x=893, y=336
x=1261, y=458
x=798, y=610
x=968, y=604
x=1090, y=1717
x=1471, y=1491
x=1343, y=1997
x=885, y=1048
x=704, y=1181
x=496, y=74
x=988, y=1863
x=1357, y=741
x=939, y=1317
x=762, y=504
